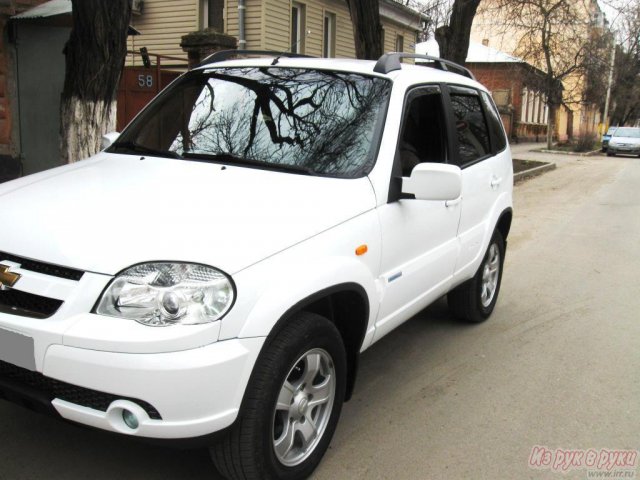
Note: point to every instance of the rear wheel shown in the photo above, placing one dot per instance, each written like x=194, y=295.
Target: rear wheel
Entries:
x=476, y=298
x=291, y=407
x=611, y=154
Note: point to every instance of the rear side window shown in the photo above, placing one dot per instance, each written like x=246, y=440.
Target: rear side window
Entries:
x=471, y=127
x=498, y=140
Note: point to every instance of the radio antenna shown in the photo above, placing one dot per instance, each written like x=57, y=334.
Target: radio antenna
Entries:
x=277, y=59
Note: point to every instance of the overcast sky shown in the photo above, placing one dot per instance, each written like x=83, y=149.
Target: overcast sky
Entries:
x=612, y=8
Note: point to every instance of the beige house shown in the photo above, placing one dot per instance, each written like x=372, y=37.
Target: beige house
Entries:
x=314, y=27
x=577, y=117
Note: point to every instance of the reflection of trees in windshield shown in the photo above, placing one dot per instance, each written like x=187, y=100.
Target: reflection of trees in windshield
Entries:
x=323, y=121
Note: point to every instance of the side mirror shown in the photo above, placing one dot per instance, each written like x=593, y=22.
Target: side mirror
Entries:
x=434, y=181
x=109, y=138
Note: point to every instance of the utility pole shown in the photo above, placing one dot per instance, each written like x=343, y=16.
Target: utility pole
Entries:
x=606, y=103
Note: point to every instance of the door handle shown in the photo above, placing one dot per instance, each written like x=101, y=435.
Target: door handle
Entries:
x=453, y=203
x=495, y=181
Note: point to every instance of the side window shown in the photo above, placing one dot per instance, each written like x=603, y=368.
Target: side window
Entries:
x=471, y=127
x=423, y=137
x=498, y=140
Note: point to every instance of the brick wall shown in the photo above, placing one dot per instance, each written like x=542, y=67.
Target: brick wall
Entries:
x=511, y=78
x=500, y=77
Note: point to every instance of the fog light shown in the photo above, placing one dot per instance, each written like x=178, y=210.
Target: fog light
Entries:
x=130, y=419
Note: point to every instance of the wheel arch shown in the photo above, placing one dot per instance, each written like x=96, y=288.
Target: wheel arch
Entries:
x=504, y=222
x=344, y=304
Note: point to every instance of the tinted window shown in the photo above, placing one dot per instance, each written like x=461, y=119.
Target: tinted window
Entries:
x=471, y=127
x=423, y=136
x=498, y=140
x=291, y=119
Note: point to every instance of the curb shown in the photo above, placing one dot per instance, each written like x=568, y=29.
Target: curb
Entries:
x=533, y=172
x=561, y=152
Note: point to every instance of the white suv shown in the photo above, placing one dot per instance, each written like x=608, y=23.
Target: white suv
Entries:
x=215, y=273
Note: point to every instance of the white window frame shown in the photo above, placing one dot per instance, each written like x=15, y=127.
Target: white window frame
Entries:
x=204, y=9
x=297, y=43
x=399, y=43
x=523, y=105
x=329, y=34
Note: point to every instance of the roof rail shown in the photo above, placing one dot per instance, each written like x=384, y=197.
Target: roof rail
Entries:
x=391, y=61
x=223, y=55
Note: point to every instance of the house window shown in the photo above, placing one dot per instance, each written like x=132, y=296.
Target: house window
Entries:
x=297, y=27
x=329, y=35
x=213, y=14
x=399, y=43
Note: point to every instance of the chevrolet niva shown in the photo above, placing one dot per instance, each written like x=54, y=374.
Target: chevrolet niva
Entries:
x=216, y=271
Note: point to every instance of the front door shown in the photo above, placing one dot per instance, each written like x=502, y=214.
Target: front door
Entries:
x=419, y=245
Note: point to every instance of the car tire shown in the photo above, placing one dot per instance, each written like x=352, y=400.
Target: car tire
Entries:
x=475, y=299
x=611, y=154
x=283, y=430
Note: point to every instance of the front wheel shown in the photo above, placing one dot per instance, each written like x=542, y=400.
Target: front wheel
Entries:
x=291, y=407
x=476, y=298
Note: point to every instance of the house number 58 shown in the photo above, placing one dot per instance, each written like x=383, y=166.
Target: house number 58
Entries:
x=145, y=81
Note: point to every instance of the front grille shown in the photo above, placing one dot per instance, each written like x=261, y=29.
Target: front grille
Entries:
x=17, y=302
x=52, y=389
x=41, y=267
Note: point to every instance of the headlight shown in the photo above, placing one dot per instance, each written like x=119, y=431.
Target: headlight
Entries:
x=161, y=294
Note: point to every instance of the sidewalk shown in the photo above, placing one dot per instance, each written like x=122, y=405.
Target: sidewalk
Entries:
x=523, y=151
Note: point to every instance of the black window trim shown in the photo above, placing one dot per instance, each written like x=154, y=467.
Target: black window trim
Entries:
x=492, y=138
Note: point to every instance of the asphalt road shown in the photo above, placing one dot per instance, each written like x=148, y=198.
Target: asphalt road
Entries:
x=557, y=365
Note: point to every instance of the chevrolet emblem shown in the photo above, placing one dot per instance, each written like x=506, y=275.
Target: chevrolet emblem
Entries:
x=7, y=279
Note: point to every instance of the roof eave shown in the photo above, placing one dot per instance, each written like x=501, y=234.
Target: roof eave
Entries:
x=396, y=12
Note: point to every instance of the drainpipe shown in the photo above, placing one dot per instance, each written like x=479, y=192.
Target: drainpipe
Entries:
x=242, y=42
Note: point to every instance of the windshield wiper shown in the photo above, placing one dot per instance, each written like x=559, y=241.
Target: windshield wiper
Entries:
x=235, y=160
x=133, y=147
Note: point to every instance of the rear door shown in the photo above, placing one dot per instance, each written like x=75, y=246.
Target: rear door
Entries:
x=482, y=154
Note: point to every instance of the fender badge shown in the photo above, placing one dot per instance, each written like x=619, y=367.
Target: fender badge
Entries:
x=7, y=278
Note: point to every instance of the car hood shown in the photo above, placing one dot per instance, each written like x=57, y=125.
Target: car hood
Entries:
x=112, y=211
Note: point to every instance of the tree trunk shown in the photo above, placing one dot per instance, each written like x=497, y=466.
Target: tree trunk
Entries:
x=95, y=55
x=453, y=39
x=551, y=118
x=367, y=29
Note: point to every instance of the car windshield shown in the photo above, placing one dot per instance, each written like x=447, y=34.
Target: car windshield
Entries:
x=628, y=132
x=298, y=120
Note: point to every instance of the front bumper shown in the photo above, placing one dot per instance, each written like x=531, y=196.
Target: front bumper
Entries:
x=624, y=150
x=194, y=392
x=179, y=382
